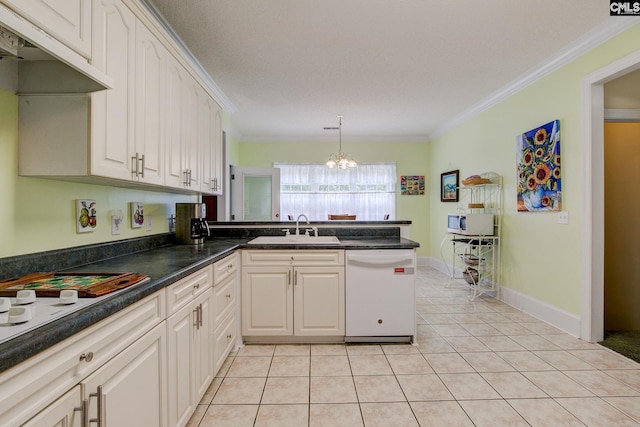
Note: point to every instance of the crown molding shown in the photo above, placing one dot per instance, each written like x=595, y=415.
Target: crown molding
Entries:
x=600, y=34
x=220, y=96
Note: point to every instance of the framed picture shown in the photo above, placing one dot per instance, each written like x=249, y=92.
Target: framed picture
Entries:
x=412, y=185
x=538, y=167
x=86, y=214
x=137, y=214
x=449, y=182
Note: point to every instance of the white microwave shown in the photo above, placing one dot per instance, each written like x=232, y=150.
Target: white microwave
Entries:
x=471, y=224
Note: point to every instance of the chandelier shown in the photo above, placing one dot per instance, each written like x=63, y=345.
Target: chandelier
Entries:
x=340, y=160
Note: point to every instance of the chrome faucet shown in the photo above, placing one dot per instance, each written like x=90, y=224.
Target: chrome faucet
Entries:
x=298, y=223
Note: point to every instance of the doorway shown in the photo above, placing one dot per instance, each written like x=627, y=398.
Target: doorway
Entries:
x=621, y=249
x=593, y=226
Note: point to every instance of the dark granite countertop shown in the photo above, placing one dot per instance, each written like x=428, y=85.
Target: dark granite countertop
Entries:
x=164, y=266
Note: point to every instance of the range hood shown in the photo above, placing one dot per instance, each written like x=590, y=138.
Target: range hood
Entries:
x=45, y=65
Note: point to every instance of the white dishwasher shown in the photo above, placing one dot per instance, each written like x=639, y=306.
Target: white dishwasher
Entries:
x=380, y=295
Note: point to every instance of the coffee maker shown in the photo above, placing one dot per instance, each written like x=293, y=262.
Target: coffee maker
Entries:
x=191, y=223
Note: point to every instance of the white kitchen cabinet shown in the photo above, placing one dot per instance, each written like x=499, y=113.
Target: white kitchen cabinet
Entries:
x=69, y=21
x=112, y=111
x=30, y=387
x=129, y=390
x=64, y=412
x=181, y=133
x=225, y=296
x=148, y=162
x=293, y=293
x=175, y=77
x=190, y=342
x=191, y=145
x=210, y=136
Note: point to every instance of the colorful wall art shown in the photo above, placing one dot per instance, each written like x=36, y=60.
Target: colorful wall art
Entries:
x=137, y=214
x=538, y=168
x=86, y=215
x=412, y=185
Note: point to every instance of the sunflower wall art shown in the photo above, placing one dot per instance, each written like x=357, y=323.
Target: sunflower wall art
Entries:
x=538, y=167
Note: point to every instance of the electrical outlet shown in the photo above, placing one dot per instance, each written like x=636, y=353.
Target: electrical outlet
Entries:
x=148, y=220
x=563, y=217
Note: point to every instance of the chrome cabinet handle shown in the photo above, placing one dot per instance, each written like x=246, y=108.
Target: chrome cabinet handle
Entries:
x=201, y=316
x=289, y=277
x=141, y=172
x=196, y=286
x=84, y=413
x=98, y=396
x=196, y=318
x=134, y=165
x=229, y=336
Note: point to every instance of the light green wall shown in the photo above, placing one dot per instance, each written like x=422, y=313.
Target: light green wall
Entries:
x=540, y=257
x=410, y=158
x=38, y=214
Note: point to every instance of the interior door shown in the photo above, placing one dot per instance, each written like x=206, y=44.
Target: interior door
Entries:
x=255, y=194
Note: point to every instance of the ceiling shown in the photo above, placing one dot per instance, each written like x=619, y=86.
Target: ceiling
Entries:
x=397, y=70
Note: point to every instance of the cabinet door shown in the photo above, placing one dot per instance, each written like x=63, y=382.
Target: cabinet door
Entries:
x=112, y=120
x=203, y=345
x=218, y=153
x=180, y=336
x=175, y=76
x=130, y=390
x=191, y=145
x=149, y=100
x=319, y=301
x=206, y=117
x=68, y=20
x=267, y=301
x=64, y=412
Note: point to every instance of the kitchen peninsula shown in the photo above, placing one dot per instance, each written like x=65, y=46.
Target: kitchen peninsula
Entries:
x=172, y=269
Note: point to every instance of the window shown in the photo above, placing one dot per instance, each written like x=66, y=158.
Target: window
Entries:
x=368, y=191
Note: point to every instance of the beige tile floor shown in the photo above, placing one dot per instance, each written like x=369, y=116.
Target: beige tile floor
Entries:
x=479, y=363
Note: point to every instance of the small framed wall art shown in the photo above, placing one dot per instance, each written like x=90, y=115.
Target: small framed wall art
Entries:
x=449, y=183
x=137, y=214
x=86, y=214
x=412, y=185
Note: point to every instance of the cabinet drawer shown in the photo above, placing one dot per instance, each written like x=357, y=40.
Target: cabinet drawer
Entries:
x=225, y=336
x=225, y=298
x=30, y=386
x=284, y=257
x=183, y=291
x=224, y=268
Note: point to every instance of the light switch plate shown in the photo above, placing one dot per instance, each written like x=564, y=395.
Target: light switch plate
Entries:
x=563, y=217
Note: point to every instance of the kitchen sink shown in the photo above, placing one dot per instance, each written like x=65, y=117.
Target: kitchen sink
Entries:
x=294, y=240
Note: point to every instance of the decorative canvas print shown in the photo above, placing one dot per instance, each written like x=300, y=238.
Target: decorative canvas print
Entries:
x=412, y=185
x=538, y=167
x=86, y=215
x=137, y=214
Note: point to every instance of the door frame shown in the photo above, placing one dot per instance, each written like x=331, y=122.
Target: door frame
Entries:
x=592, y=133
x=238, y=173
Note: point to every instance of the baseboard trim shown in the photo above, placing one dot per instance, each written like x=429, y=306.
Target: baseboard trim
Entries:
x=561, y=319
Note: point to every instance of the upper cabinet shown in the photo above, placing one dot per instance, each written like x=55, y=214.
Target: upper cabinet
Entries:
x=69, y=21
x=112, y=111
x=157, y=126
x=210, y=137
x=150, y=108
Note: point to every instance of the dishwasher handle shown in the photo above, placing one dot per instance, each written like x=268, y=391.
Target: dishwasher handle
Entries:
x=379, y=260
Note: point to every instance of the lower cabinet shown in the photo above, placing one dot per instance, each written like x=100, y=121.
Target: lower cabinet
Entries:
x=147, y=365
x=128, y=391
x=190, y=356
x=294, y=299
